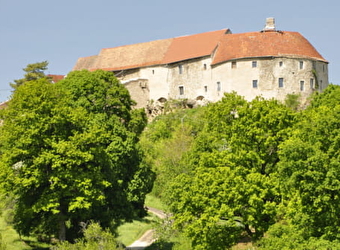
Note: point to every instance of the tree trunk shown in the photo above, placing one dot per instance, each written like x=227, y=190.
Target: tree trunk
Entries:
x=62, y=227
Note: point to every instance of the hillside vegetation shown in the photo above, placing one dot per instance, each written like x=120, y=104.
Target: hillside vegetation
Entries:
x=77, y=162
x=256, y=171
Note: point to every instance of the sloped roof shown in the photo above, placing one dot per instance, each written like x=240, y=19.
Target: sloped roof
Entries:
x=85, y=63
x=133, y=56
x=152, y=53
x=264, y=44
x=227, y=47
x=193, y=46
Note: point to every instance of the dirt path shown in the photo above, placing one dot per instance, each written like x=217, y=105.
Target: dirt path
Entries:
x=147, y=238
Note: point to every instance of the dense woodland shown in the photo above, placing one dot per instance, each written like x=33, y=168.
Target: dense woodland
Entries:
x=262, y=171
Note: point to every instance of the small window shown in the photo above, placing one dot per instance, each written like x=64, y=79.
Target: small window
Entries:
x=281, y=64
x=153, y=71
x=233, y=65
x=254, y=64
x=254, y=84
x=311, y=82
x=206, y=89
x=204, y=66
x=181, y=90
x=180, y=69
x=301, y=65
x=280, y=82
x=302, y=85
x=218, y=86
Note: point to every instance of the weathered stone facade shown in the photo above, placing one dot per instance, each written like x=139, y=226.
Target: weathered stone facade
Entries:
x=202, y=67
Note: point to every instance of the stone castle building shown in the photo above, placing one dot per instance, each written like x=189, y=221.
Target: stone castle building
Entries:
x=201, y=67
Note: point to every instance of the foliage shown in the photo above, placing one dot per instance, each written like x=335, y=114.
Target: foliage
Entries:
x=292, y=101
x=94, y=238
x=69, y=155
x=329, y=97
x=252, y=168
x=33, y=72
x=169, y=238
x=286, y=237
x=232, y=187
x=2, y=244
x=166, y=140
x=310, y=172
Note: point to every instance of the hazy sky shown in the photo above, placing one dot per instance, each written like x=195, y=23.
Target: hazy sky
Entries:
x=64, y=30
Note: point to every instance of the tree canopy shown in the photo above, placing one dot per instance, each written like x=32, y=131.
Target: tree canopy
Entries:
x=69, y=154
x=232, y=188
x=252, y=168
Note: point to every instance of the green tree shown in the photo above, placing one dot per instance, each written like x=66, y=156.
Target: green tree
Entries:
x=94, y=238
x=329, y=97
x=33, y=72
x=233, y=187
x=69, y=154
x=310, y=173
x=166, y=140
x=285, y=236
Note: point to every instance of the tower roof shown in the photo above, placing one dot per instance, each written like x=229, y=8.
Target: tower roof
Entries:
x=265, y=44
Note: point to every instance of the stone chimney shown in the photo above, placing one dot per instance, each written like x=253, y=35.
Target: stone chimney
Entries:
x=270, y=24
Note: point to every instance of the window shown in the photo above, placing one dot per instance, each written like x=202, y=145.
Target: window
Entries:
x=153, y=72
x=204, y=66
x=311, y=82
x=254, y=84
x=233, y=65
x=206, y=89
x=218, y=86
x=280, y=82
x=254, y=64
x=281, y=64
x=180, y=69
x=302, y=85
x=181, y=90
x=301, y=65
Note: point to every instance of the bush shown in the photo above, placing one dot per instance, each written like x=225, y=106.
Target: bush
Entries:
x=94, y=238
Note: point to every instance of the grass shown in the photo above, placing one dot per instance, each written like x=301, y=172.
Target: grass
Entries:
x=152, y=201
x=129, y=232
x=13, y=241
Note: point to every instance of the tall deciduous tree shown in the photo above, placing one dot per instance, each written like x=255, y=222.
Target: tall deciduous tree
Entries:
x=233, y=186
x=69, y=154
x=310, y=171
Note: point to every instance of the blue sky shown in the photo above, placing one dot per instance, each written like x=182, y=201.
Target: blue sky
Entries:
x=64, y=30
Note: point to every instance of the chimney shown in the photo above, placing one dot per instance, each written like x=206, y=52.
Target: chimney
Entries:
x=270, y=24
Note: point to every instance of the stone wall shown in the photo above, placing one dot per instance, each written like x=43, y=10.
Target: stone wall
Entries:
x=196, y=80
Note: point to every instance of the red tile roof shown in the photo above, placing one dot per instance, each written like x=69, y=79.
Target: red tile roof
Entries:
x=193, y=46
x=227, y=47
x=264, y=44
x=56, y=78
